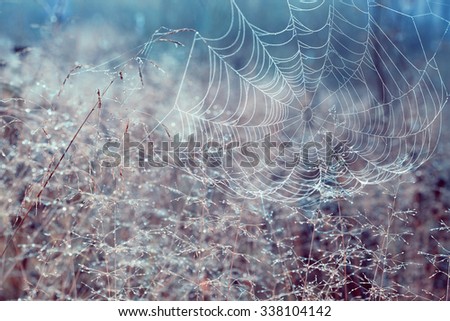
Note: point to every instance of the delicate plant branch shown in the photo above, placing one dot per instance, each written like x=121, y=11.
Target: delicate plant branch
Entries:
x=55, y=168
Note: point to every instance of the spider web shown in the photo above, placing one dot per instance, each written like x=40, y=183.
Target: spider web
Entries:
x=354, y=105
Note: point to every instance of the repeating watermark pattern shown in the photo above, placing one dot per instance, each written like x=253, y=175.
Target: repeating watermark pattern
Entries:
x=193, y=153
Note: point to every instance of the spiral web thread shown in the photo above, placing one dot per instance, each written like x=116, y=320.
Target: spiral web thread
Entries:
x=335, y=82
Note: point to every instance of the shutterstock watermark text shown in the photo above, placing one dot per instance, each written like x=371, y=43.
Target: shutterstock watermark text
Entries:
x=193, y=153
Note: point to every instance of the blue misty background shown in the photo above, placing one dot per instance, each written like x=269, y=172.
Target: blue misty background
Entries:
x=27, y=21
x=412, y=25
